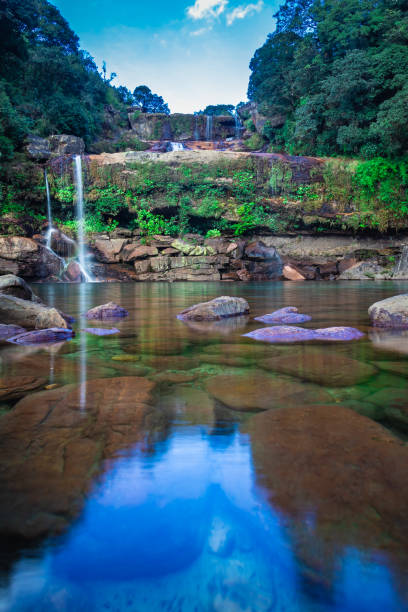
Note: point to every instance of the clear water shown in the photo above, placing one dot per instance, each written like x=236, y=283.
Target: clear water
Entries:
x=179, y=506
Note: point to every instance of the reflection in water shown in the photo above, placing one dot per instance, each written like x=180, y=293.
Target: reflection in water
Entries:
x=390, y=339
x=166, y=499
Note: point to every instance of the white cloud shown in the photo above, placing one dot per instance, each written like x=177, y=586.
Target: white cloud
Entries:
x=240, y=12
x=201, y=31
x=204, y=9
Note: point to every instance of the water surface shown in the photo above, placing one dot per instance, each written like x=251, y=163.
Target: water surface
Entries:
x=176, y=467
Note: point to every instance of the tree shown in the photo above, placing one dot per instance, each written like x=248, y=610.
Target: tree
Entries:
x=149, y=102
x=218, y=109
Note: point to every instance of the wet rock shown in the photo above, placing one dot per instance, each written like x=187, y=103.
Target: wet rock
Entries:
x=131, y=253
x=99, y=331
x=27, y=258
x=62, y=244
x=126, y=357
x=174, y=377
x=393, y=404
x=73, y=272
x=42, y=336
x=13, y=285
x=282, y=333
x=43, y=485
x=218, y=308
x=24, y=313
x=189, y=404
x=340, y=468
x=15, y=387
x=169, y=362
x=291, y=273
x=107, y=311
x=8, y=331
x=223, y=327
x=254, y=391
x=108, y=250
x=392, y=312
x=258, y=251
x=364, y=270
x=287, y=316
x=191, y=249
x=321, y=366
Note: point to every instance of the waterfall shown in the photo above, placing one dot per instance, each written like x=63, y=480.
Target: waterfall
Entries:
x=176, y=146
x=209, y=128
x=196, y=130
x=80, y=218
x=50, y=229
x=238, y=126
x=401, y=267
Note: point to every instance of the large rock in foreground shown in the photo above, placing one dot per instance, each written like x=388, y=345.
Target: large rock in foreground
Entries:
x=15, y=311
x=289, y=333
x=26, y=257
x=345, y=472
x=219, y=308
x=392, y=312
x=42, y=485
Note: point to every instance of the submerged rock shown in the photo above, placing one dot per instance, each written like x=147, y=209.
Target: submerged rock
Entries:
x=43, y=485
x=252, y=392
x=321, y=366
x=282, y=333
x=15, y=387
x=107, y=311
x=218, y=308
x=341, y=470
x=43, y=336
x=392, y=312
x=287, y=316
x=25, y=313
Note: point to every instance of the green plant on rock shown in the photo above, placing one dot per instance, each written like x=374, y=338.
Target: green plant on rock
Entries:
x=213, y=233
x=149, y=223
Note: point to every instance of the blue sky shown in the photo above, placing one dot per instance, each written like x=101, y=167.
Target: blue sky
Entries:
x=192, y=52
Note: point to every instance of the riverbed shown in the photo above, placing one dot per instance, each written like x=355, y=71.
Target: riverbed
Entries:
x=184, y=467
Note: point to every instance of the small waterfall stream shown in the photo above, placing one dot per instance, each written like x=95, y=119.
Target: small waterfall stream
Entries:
x=50, y=229
x=177, y=146
x=401, y=267
x=80, y=218
x=238, y=126
x=209, y=128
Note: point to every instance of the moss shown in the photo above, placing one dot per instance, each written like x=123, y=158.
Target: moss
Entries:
x=254, y=143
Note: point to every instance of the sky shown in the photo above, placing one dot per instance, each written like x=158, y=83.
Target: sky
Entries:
x=191, y=52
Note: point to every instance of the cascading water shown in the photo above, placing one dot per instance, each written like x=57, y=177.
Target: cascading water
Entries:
x=80, y=218
x=209, y=128
x=176, y=146
x=401, y=268
x=49, y=212
x=238, y=126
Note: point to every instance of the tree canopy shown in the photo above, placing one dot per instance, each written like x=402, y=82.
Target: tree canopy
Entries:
x=149, y=102
x=218, y=109
x=333, y=77
x=47, y=83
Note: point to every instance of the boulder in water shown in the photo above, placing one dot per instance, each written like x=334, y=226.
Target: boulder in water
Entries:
x=392, y=312
x=287, y=316
x=16, y=286
x=99, y=331
x=15, y=387
x=107, y=311
x=8, y=331
x=42, y=336
x=284, y=333
x=219, y=308
x=15, y=311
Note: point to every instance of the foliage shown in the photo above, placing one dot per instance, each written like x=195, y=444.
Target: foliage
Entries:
x=150, y=223
x=217, y=110
x=213, y=233
x=149, y=102
x=332, y=78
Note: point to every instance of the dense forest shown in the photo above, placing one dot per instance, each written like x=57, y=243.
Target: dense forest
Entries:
x=333, y=78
